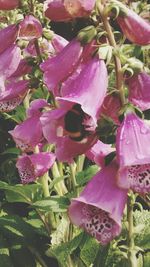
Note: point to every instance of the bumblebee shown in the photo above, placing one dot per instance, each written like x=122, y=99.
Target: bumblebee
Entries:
x=74, y=123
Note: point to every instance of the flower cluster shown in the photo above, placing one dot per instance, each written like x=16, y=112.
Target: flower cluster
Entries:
x=75, y=74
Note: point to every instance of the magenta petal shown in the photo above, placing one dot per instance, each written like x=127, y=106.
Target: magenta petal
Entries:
x=9, y=60
x=139, y=93
x=128, y=23
x=30, y=167
x=36, y=106
x=99, y=208
x=132, y=146
x=30, y=28
x=54, y=73
x=56, y=11
x=23, y=69
x=89, y=87
x=28, y=134
x=13, y=95
x=98, y=152
x=8, y=36
x=8, y=4
x=58, y=42
x=79, y=8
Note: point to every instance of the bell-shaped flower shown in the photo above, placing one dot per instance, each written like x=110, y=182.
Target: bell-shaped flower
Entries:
x=139, y=93
x=9, y=4
x=98, y=152
x=72, y=126
x=44, y=47
x=30, y=28
x=64, y=10
x=57, y=69
x=134, y=27
x=23, y=69
x=28, y=134
x=111, y=107
x=132, y=147
x=8, y=36
x=99, y=208
x=58, y=42
x=13, y=95
x=30, y=167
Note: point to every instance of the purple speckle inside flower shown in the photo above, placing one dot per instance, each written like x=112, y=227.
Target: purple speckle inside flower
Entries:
x=139, y=178
x=9, y=105
x=26, y=171
x=98, y=223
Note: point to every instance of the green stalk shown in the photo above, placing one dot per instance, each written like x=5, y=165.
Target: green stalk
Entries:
x=132, y=260
x=60, y=186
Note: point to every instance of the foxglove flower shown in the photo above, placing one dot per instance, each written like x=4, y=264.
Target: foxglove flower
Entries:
x=139, y=93
x=99, y=208
x=8, y=36
x=8, y=4
x=58, y=68
x=30, y=28
x=13, y=95
x=132, y=146
x=98, y=152
x=22, y=69
x=135, y=28
x=72, y=126
x=58, y=42
x=44, y=47
x=111, y=107
x=28, y=134
x=30, y=167
x=64, y=10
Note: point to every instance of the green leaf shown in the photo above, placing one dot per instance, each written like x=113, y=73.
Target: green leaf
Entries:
x=84, y=176
x=54, y=203
x=21, y=193
x=12, y=150
x=89, y=251
x=5, y=260
x=62, y=251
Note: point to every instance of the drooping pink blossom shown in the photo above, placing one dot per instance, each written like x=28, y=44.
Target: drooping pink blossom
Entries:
x=58, y=68
x=31, y=167
x=30, y=28
x=72, y=126
x=98, y=152
x=139, y=93
x=99, y=208
x=9, y=4
x=23, y=69
x=134, y=27
x=132, y=147
x=8, y=36
x=64, y=10
x=28, y=134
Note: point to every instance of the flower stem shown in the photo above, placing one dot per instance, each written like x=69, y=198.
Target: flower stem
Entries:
x=132, y=260
x=60, y=186
x=112, y=42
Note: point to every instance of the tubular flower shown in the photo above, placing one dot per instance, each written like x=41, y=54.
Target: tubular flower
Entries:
x=64, y=10
x=8, y=36
x=131, y=21
x=9, y=4
x=58, y=68
x=99, y=208
x=72, y=126
x=98, y=152
x=30, y=28
x=25, y=135
x=139, y=93
x=132, y=146
x=30, y=167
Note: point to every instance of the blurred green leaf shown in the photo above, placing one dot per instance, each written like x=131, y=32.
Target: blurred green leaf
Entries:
x=84, y=176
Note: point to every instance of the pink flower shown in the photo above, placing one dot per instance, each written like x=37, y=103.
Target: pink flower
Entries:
x=99, y=208
x=132, y=146
x=23, y=69
x=58, y=68
x=98, y=152
x=111, y=107
x=135, y=28
x=8, y=4
x=72, y=126
x=58, y=42
x=30, y=28
x=13, y=95
x=8, y=36
x=28, y=134
x=30, y=167
x=64, y=10
x=139, y=93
